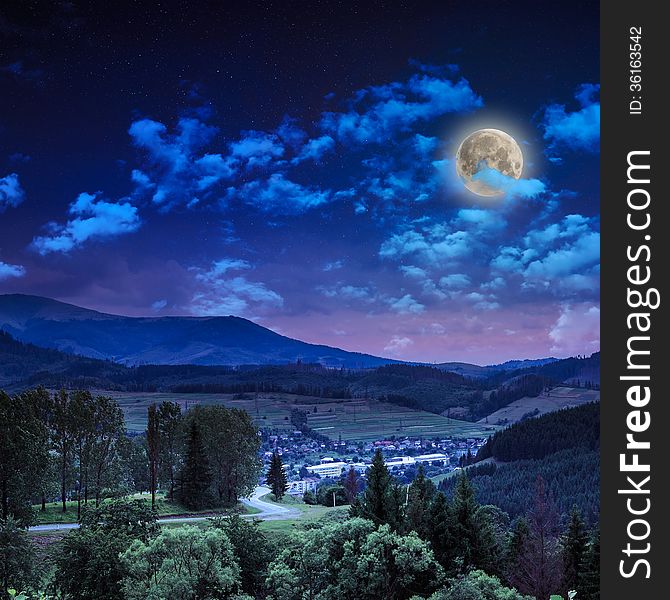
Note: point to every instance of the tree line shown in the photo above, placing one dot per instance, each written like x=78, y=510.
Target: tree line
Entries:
x=72, y=445
x=396, y=543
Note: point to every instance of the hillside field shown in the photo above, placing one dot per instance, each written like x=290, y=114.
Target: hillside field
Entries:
x=353, y=419
x=556, y=399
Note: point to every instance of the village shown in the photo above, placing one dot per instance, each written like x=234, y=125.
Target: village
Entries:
x=311, y=462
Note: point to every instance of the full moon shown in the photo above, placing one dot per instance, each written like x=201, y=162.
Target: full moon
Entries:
x=488, y=148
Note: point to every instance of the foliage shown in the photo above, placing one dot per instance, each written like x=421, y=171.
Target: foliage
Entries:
x=252, y=549
x=353, y=559
x=477, y=585
x=419, y=498
x=17, y=558
x=181, y=564
x=87, y=564
x=574, y=544
x=538, y=569
x=24, y=457
x=231, y=442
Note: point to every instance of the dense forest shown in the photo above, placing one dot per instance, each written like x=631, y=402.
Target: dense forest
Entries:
x=561, y=447
x=577, y=427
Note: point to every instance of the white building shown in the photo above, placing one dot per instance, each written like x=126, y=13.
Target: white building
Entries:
x=298, y=488
x=328, y=469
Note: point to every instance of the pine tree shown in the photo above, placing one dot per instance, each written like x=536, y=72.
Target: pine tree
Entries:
x=589, y=588
x=574, y=545
x=419, y=500
x=196, y=476
x=276, y=477
x=516, y=546
x=381, y=501
x=472, y=530
x=153, y=449
x=441, y=531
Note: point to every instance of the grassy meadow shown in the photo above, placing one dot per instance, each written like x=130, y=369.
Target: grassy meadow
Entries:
x=354, y=419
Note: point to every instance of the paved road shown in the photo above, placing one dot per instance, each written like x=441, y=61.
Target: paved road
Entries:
x=268, y=512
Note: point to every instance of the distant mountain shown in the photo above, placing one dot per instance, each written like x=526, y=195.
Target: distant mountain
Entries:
x=162, y=340
x=513, y=365
x=479, y=372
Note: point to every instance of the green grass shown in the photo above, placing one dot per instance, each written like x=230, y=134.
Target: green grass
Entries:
x=164, y=508
x=353, y=419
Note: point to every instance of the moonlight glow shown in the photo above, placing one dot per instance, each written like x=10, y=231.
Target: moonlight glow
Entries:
x=485, y=155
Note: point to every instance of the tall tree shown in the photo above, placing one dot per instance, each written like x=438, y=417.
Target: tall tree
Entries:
x=153, y=449
x=81, y=410
x=381, y=499
x=472, y=529
x=24, y=454
x=589, y=588
x=276, y=477
x=539, y=566
x=196, y=476
x=351, y=485
x=419, y=499
x=574, y=545
x=441, y=531
x=169, y=430
x=232, y=443
x=109, y=426
x=63, y=439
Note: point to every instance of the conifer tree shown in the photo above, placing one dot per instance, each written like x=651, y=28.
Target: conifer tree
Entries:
x=419, y=500
x=589, y=588
x=516, y=546
x=276, y=477
x=196, y=475
x=574, y=544
x=441, y=530
x=381, y=501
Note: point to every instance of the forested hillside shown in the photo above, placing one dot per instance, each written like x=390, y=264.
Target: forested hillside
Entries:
x=561, y=447
x=577, y=427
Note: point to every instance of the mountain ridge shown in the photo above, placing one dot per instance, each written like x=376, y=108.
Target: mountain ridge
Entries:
x=226, y=340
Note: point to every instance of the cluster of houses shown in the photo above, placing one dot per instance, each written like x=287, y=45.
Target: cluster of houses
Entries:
x=399, y=454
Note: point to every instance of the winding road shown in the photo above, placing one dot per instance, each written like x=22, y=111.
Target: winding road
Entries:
x=268, y=512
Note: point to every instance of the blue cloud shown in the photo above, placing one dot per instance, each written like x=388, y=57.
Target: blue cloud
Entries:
x=279, y=195
x=577, y=130
x=515, y=188
x=9, y=271
x=173, y=173
x=11, y=192
x=406, y=305
x=377, y=113
x=93, y=218
x=257, y=148
x=315, y=149
x=562, y=256
x=220, y=294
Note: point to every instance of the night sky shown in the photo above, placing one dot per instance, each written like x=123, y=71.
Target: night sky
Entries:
x=293, y=163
